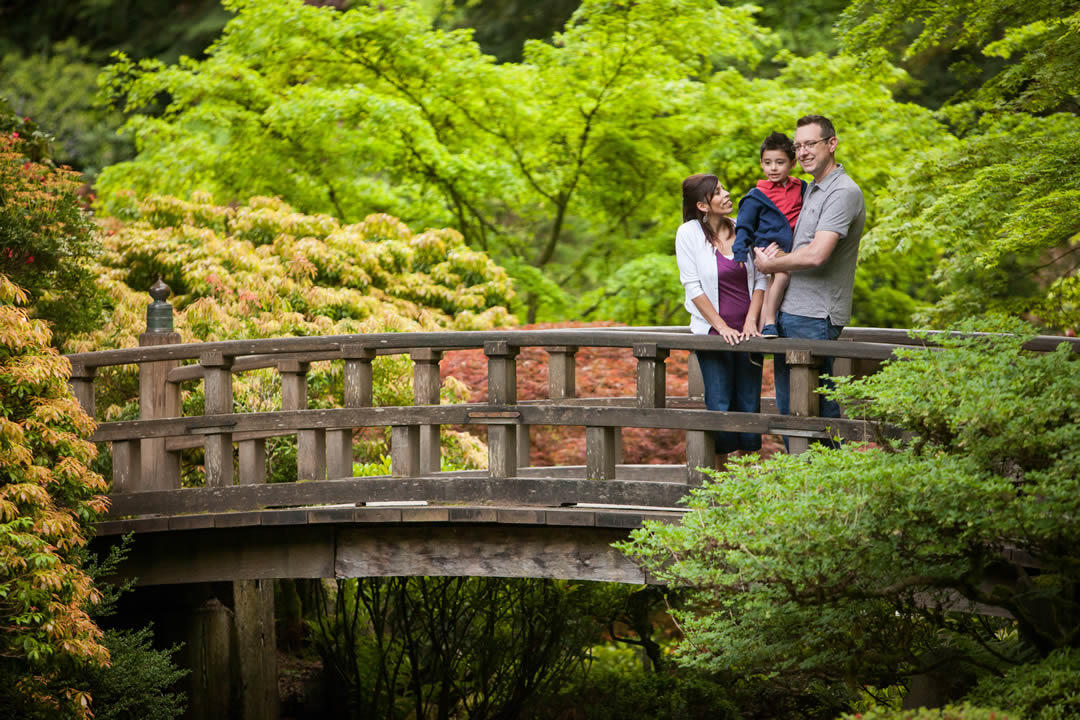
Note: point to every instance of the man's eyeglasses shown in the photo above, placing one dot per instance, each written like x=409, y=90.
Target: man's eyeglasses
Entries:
x=812, y=143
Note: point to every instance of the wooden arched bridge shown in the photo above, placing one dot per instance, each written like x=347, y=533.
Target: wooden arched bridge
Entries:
x=218, y=544
x=510, y=520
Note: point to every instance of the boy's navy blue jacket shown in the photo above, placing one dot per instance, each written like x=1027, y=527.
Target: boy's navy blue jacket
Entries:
x=760, y=223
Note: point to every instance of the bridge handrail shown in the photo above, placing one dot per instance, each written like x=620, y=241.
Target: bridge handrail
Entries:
x=143, y=459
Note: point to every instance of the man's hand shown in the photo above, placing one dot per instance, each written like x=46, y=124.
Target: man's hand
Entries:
x=763, y=259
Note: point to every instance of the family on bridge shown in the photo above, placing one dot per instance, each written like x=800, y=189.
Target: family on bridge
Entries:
x=804, y=235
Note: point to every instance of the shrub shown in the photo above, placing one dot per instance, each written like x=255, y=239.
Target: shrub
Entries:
x=46, y=238
x=48, y=497
x=949, y=712
x=1047, y=690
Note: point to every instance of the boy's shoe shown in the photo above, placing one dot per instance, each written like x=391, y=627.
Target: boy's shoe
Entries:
x=769, y=331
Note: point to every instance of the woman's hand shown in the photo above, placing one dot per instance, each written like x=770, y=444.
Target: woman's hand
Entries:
x=750, y=329
x=731, y=335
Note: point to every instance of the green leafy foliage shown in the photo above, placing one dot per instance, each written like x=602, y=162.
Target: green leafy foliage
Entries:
x=262, y=270
x=859, y=566
x=1038, y=37
x=1008, y=224
x=138, y=681
x=1000, y=201
x=48, y=497
x=46, y=239
x=949, y=712
x=57, y=89
x=350, y=116
x=1046, y=690
x=450, y=646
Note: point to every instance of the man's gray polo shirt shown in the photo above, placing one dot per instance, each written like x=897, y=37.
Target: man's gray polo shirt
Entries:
x=835, y=204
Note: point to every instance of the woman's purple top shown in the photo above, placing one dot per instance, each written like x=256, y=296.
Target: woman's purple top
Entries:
x=733, y=295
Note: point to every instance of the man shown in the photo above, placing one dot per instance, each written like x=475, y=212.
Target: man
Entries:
x=825, y=248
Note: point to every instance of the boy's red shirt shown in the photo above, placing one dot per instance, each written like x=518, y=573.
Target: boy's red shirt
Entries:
x=787, y=197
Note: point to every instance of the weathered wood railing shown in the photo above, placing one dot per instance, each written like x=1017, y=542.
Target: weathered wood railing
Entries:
x=146, y=463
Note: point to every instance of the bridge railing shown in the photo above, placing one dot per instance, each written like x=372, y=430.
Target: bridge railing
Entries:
x=146, y=460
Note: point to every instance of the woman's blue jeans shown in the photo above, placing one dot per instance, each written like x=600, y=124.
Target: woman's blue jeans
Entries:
x=732, y=382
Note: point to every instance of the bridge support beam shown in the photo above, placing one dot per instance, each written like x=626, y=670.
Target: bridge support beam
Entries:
x=231, y=652
x=255, y=649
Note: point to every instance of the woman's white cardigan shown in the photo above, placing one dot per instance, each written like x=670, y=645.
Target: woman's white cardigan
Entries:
x=697, y=272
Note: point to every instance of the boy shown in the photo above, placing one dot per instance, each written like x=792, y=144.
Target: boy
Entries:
x=767, y=214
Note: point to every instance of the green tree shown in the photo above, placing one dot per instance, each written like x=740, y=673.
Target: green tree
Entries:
x=48, y=498
x=57, y=88
x=861, y=567
x=451, y=646
x=350, y=116
x=1000, y=201
x=568, y=162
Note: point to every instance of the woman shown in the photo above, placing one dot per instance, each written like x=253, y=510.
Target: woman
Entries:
x=724, y=298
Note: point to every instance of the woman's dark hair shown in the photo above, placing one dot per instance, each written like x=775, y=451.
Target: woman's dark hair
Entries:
x=701, y=188
x=778, y=141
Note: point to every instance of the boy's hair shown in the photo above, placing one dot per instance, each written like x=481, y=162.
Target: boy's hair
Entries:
x=778, y=141
x=827, y=129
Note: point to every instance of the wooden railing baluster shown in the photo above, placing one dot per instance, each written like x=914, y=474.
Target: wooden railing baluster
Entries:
x=405, y=450
x=651, y=375
x=358, y=393
x=600, y=451
x=562, y=379
x=426, y=385
x=217, y=389
x=82, y=387
x=310, y=444
x=803, y=369
x=502, y=390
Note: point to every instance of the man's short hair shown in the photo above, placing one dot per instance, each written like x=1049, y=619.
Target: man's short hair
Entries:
x=827, y=129
x=778, y=141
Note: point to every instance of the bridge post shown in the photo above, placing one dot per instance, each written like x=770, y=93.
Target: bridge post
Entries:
x=805, y=401
x=81, y=383
x=217, y=388
x=158, y=398
x=561, y=371
x=502, y=390
x=651, y=375
x=255, y=651
x=310, y=444
x=405, y=450
x=358, y=393
x=700, y=452
x=695, y=384
x=426, y=385
x=600, y=449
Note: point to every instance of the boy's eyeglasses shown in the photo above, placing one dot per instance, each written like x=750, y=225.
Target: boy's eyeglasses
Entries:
x=808, y=145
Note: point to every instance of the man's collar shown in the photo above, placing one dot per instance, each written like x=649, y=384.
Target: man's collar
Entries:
x=831, y=177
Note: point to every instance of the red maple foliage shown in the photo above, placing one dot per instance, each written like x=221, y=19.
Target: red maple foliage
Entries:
x=601, y=372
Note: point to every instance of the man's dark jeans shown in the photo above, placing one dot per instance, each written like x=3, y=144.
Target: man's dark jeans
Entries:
x=807, y=328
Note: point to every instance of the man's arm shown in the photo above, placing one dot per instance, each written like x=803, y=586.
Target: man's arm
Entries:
x=807, y=257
